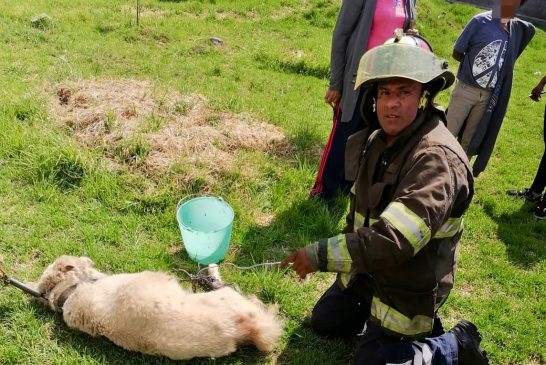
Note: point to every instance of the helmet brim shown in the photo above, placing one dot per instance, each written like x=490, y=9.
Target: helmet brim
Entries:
x=398, y=60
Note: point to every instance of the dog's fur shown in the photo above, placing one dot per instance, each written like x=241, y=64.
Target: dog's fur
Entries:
x=151, y=313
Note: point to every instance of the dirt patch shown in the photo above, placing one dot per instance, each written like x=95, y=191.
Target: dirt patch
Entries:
x=138, y=125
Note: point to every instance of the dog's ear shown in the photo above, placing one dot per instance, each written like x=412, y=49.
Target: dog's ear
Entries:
x=67, y=268
x=87, y=260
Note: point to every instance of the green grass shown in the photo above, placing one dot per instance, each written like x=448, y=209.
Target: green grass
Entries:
x=57, y=197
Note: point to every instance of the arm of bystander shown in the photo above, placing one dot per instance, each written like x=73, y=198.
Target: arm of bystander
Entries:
x=538, y=89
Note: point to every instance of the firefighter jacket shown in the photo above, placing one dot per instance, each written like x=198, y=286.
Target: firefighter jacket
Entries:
x=404, y=224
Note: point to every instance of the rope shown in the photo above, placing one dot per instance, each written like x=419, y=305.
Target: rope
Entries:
x=209, y=282
x=242, y=267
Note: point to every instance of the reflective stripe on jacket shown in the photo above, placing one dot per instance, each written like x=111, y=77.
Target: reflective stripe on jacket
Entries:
x=404, y=224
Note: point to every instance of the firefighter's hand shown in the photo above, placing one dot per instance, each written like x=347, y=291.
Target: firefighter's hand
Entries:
x=299, y=261
x=332, y=97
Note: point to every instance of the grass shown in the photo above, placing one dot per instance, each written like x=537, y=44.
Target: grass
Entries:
x=58, y=197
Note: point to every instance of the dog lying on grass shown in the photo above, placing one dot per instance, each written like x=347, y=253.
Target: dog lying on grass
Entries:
x=151, y=313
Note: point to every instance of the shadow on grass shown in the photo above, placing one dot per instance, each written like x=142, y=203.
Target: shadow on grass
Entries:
x=522, y=233
x=305, y=348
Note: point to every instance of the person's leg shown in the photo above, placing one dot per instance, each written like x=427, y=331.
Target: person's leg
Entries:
x=540, y=178
x=342, y=313
x=460, y=345
x=379, y=348
x=319, y=188
x=460, y=104
x=331, y=173
x=333, y=179
x=539, y=183
x=481, y=100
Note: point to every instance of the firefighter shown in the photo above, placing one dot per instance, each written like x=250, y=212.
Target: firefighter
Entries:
x=396, y=257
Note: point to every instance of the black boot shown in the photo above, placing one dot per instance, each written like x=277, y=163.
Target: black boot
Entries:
x=540, y=210
x=468, y=341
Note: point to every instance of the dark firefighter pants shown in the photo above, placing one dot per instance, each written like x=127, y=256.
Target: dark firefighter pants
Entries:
x=344, y=313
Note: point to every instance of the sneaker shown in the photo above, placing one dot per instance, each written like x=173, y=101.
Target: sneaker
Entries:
x=468, y=341
x=526, y=194
x=540, y=210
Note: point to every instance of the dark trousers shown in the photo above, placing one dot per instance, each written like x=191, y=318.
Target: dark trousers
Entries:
x=331, y=172
x=345, y=313
x=342, y=313
x=539, y=183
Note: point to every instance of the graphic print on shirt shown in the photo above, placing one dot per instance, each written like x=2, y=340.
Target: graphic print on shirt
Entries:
x=488, y=62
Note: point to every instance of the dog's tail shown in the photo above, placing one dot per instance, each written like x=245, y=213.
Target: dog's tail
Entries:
x=263, y=329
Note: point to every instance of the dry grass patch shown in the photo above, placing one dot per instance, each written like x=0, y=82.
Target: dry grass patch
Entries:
x=247, y=16
x=144, y=11
x=136, y=124
x=263, y=219
x=282, y=13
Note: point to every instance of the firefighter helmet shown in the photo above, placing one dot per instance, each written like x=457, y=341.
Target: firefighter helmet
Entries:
x=408, y=57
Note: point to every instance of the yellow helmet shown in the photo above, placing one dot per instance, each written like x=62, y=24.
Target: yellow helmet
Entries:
x=404, y=56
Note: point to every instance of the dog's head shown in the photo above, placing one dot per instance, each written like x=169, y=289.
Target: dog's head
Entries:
x=68, y=270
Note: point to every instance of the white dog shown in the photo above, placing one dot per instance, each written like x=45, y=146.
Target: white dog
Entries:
x=149, y=312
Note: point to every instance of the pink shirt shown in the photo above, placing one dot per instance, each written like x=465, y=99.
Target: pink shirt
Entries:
x=389, y=15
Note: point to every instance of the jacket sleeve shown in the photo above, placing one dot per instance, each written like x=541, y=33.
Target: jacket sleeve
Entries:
x=526, y=32
x=419, y=210
x=347, y=21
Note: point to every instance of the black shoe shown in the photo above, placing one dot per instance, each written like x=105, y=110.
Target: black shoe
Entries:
x=540, y=210
x=468, y=341
x=526, y=194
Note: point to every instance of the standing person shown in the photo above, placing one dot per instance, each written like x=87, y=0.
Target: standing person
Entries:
x=361, y=25
x=487, y=50
x=534, y=192
x=396, y=259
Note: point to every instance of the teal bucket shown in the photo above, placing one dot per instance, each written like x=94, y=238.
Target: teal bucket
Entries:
x=205, y=223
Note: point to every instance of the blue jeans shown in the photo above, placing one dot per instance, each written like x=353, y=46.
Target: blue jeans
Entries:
x=375, y=347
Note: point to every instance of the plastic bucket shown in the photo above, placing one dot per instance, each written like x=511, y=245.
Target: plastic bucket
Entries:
x=205, y=223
